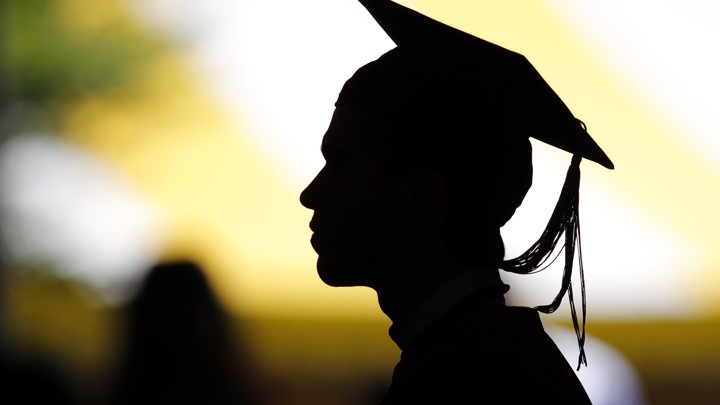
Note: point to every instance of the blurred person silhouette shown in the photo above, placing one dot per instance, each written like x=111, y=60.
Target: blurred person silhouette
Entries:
x=180, y=348
x=428, y=155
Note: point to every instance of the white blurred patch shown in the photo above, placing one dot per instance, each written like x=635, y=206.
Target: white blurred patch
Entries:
x=665, y=51
x=609, y=378
x=64, y=208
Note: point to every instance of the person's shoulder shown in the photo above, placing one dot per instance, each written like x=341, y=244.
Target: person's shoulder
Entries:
x=482, y=372
x=493, y=336
x=502, y=349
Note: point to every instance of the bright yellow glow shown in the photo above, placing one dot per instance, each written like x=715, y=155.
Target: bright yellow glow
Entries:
x=91, y=17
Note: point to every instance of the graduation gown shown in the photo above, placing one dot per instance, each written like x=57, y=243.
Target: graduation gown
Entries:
x=480, y=351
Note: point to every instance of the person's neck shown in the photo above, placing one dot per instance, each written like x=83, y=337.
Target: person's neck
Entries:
x=400, y=300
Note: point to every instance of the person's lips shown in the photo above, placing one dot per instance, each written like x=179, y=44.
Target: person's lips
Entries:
x=314, y=241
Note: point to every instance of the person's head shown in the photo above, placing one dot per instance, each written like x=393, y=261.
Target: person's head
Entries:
x=179, y=345
x=417, y=124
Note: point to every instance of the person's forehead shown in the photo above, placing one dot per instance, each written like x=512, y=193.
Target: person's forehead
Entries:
x=354, y=131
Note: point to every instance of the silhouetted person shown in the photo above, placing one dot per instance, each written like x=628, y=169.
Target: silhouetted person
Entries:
x=179, y=347
x=427, y=157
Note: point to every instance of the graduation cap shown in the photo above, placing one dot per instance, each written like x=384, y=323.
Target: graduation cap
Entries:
x=427, y=42
x=437, y=67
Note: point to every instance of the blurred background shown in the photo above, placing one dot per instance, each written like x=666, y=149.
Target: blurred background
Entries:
x=136, y=132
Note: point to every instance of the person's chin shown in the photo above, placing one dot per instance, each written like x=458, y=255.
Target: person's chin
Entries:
x=336, y=274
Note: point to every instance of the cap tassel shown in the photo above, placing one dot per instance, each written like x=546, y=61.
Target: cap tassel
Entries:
x=564, y=220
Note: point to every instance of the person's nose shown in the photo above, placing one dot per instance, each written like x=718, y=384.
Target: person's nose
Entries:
x=312, y=196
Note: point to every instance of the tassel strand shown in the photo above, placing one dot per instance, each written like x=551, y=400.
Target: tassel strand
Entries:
x=563, y=221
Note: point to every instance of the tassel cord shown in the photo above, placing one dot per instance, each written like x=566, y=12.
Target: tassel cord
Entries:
x=564, y=221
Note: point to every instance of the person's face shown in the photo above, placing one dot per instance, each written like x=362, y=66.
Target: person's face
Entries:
x=358, y=211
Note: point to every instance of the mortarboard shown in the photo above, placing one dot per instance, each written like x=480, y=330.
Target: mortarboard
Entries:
x=428, y=43
x=437, y=67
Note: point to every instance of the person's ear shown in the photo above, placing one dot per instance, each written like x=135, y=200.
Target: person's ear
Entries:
x=428, y=197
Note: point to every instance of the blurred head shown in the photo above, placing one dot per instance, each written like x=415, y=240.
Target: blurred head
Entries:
x=179, y=347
